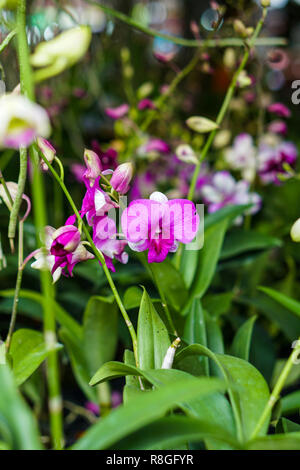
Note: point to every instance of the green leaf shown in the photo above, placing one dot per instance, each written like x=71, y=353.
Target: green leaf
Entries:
x=145, y=409
x=289, y=426
x=100, y=331
x=287, y=302
x=132, y=387
x=20, y=424
x=249, y=393
x=28, y=350
x=195, y=332
x=171, y=283
x=290, y=403
x=292, y=378
x=228, y=213
x=217, y=304
x=152, y=336
x=240, y=241
x=242, y=340
x=289, y=441
x=286, y=321
x=208, y=258
x=61, y=315
x=132, y=297
x=174, y=431
x=112, y=370
x=78, y=362
x=214, y=342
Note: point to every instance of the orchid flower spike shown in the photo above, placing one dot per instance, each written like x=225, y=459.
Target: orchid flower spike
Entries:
x=21, y=121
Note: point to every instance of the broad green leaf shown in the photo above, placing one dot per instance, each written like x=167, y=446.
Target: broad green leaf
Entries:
x=208, y=258
x=28, y=350
x=291, y=403
x=289, y=426
x=214, y=342
x=293, y=376
x=79, y=363
x=61, y=315
x=166, y=433
x=229, y=213
x=132, y=385
x=132, y=297
x=112, y=370
x=171, y=283
x=275, y=312
x=145, y=409
x=188, y=265
x=240, y=241
x=100, y=331
x=289, y=441
x=217, y=304
x=16, y=415
x=249, y=393
x=242, y=340
x=195, y=332
x=152, y=336
x=287, y=302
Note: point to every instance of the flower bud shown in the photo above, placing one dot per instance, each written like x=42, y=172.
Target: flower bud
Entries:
x=201, y=124
x=121, y=178
x=295, y=231
x=12, y=188
x=65, y=239
x=48, y=151
x=186, y=154
x=62, y=52
x=240, y=28
x=170, y=354
x=243, y=80
x=93, y=166
x=265, y=3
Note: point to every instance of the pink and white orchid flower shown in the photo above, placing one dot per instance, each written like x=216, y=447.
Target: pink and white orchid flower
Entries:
x=157, y=225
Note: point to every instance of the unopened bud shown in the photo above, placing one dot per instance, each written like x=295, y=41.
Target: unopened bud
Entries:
x=121, y=178
x=201, y=124
x=47, y=150
x=169, y=357
x=186, y=154
x=295, y=231
x=265, y=3
x=93, y=166
x=240, y=28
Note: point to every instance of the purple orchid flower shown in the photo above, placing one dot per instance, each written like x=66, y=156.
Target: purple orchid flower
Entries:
x=272, y=159
x=146, y=103
x=96, y=202
x=280, y=110
x=118, y=112
x=157, y=225
x=105, y=239
x=223, y=190
x=278, y=127
x=108, y=158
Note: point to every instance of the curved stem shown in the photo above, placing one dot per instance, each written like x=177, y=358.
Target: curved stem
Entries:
x=227, y=42
x=7, y=40
x=277, y=390
x=172, y=87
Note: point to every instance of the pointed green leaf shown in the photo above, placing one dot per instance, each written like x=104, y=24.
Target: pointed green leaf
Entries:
x=242, y=340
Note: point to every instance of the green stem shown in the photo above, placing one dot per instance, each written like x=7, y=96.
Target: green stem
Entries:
x=27, y=87
x=17, y=289
x=18, y=199
x=228, y=42
x=225, y=104
x=277, y=390
x=7, y=40
x=98, y=255
x=172, y=87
